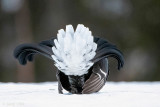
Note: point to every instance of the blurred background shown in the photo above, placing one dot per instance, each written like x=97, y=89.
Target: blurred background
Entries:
x=133, y=25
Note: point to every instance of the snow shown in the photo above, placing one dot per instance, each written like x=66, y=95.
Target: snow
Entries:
x=114, y=94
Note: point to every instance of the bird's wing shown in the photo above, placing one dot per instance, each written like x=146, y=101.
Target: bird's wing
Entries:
x=63, y=81
x=105, y=50
x=98, y=77
x=60, y=89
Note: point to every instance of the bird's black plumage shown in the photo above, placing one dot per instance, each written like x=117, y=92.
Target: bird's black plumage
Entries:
x=75, y=84
x=105, y=50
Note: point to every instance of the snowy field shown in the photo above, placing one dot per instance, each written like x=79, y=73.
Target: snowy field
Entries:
x=114, y=94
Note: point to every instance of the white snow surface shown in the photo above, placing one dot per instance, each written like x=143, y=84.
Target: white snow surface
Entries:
x=113, y=94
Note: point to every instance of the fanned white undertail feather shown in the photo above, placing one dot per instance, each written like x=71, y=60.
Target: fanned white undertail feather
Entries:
x=73, y=51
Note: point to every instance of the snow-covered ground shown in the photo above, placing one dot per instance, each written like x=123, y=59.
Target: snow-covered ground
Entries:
x=114, y=94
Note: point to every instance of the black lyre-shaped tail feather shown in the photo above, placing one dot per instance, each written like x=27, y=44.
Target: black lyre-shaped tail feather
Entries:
x=26, y=52
x=105, y=50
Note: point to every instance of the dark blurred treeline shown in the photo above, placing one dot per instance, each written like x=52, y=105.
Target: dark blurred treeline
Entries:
x=133, y=25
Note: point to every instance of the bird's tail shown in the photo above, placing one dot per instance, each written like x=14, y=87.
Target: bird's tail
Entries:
x=74, y=50
x=26, y=52
x=105, y=50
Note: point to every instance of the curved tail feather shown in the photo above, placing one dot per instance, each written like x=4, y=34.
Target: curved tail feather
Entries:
x=26, y=52
x=105, y=50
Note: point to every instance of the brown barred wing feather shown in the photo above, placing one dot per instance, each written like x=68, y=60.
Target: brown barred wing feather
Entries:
x=97, y=79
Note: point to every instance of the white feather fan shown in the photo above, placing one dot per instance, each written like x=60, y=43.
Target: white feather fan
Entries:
x=73, y=51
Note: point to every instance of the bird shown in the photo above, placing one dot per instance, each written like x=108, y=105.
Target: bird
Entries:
x=81, y=58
